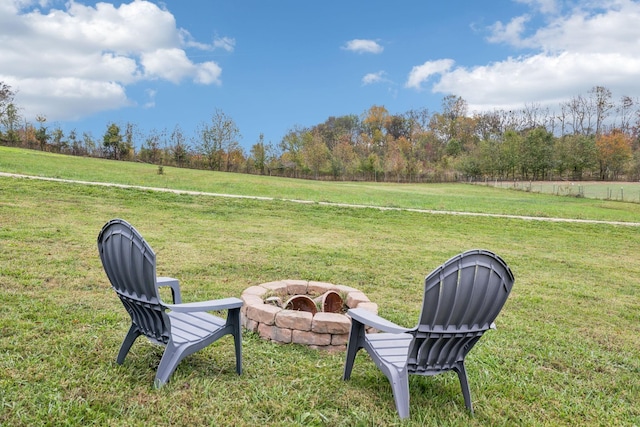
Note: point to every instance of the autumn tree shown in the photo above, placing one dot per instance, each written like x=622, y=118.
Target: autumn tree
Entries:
x=613, y=151
x=131, y=133
x=395, y=159
x=418, y=124
x=151, y=147
x=291, y=148
x=397, y=126
x=336, y=129
x=343, y=159
x=444, y=122
x=374, y=127
x=489, y=125
x=429, y=149
x=315, y=153
x=258, y=155
x=453, y=128
x=234, y=159
x=27, y=136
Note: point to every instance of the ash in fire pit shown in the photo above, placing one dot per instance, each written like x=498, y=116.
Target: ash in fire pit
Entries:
x=312, y=312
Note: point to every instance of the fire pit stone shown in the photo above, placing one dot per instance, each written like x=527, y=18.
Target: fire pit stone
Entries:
x=321, y=330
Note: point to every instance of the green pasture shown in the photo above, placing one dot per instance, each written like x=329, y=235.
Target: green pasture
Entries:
x=441, y=197
x=566, y=350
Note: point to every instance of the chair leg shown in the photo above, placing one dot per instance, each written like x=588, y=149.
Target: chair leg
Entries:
x=464, y=384
x=356, y=338
x=170, y=359
x=400, y=386
x=233, y=317
x=133, y=333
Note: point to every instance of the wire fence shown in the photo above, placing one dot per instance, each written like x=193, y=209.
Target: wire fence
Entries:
x=618, y=191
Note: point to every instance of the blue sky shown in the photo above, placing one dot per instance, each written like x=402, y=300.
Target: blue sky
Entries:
x=274, y=65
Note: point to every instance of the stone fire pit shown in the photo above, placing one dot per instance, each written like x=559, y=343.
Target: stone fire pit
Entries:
x=265, y=311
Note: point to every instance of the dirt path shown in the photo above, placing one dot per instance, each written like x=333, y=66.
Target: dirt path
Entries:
x=346, y=205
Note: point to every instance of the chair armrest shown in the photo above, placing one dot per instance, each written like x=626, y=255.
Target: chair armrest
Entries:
x=174, y=284
x=370, y=319
x=212, y=305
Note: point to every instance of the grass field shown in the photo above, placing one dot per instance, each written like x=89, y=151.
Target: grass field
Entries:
x=566, y=350
x=442, y=197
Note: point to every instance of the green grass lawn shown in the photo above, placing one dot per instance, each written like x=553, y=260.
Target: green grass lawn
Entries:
x=566, y=350
x=445, y=197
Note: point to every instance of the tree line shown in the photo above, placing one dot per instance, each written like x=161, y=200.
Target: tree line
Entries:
x=589, y=137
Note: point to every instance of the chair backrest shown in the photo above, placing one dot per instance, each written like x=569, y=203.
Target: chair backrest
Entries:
x=130, y=265
x=461, y=300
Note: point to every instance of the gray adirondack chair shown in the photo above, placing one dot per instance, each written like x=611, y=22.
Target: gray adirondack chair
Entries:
x=130, y=265
x=461, y=300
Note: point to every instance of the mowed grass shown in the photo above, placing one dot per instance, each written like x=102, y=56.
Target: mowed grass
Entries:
x=566, y=350
x=440, y=197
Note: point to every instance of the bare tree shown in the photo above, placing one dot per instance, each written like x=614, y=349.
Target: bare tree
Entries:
x=217, y=139
x=576, y=114
x=178, y=147
x=601, y=101
x=625, y=113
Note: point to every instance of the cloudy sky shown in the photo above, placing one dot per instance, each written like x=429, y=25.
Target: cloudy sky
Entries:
x=272, y=66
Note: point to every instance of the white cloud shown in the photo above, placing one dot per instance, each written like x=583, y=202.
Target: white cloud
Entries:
x=421, y=73
x=208, y=73
x=614, y=30
x=225, y=43
x=567, y=56
x=66, y=98
x=372, y=78
x=544, y=6
x=151, y=102
x=85, y=56
x=510, y=33
x=170, y=64
x=363, y=46
x=542, y=79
